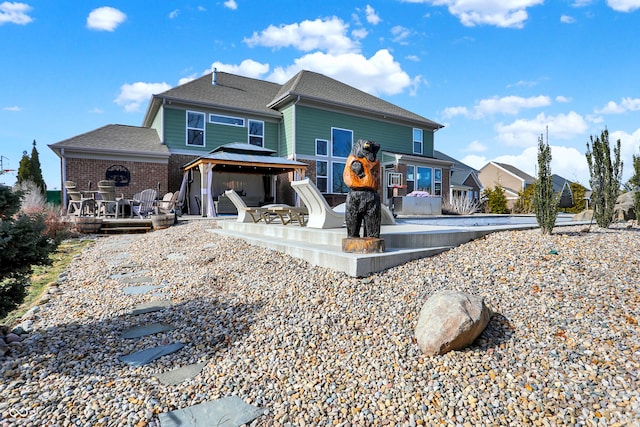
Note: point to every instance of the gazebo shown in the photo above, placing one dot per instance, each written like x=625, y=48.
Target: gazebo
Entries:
x=250, y=170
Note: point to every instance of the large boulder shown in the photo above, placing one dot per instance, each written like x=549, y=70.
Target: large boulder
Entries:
x=623, y=209
x=450, y=320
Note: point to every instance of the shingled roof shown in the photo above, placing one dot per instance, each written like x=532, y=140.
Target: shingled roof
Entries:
x=115, y=139
x=243, y=94
x=320, y=88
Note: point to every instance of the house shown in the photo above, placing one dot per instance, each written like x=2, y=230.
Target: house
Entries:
x=464, y=181
x=510, y=178
x=307, y=124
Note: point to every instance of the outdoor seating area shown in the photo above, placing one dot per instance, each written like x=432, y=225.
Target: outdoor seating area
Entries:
x=268, y=213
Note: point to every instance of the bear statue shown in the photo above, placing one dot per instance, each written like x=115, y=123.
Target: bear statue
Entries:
x=362, y=176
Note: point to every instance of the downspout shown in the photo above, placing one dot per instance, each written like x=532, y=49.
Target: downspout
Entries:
x=64, y=175
x=164, y=100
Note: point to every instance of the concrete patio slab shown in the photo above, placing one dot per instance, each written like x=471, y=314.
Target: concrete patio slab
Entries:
x=226, y=412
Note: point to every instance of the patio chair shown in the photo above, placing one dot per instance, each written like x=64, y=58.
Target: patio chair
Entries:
x=168, y=203
x=143, y=203
x=78, y=204
x=320, y=213
x=107, y=202
x=245, y=213
x=386, y=216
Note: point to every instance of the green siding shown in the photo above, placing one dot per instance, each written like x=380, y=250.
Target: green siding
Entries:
x=312, y=123
x=215, y=134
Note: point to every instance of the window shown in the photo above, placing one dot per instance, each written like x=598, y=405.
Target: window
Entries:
x=424, y=179
x=256, y=133
x=437, y=182
x=195, y=128
x=322, y=147
x=417, y=141
x=321, y=175
x=411, y=176
x=226, y=120
x=337, y=182
x=341, y=142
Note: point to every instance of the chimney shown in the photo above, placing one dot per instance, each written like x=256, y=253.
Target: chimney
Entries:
x=214, y=76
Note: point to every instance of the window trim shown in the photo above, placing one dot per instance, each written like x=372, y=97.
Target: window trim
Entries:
x=421, y=141
x=249, y=134
x=228, y=117
x=346, y=130
x=325, y=140
x=325, y=177
x=204, y=129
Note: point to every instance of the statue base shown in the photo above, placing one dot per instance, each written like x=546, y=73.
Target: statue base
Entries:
x=363, y=245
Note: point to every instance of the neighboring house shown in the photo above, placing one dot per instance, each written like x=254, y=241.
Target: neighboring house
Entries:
x=464, y=181
x=311, y=119
x=510, y=178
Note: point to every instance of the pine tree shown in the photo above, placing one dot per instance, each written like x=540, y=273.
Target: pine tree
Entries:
x=24, y=170
x=36, y=170
x=544, y=199
x=496, y=200
x=605, y=177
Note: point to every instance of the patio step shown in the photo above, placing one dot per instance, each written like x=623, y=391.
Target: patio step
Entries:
x=125, y=226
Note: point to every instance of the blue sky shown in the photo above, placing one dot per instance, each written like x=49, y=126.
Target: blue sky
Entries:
x=496, y=73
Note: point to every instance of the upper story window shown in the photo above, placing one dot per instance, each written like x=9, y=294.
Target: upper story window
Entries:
x=417, y=141
x=256, y=133
x=322, y=147
x=341, y=142
x=195, y=128
x=226, y=120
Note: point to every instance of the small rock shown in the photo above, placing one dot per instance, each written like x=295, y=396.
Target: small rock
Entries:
x=11, y=338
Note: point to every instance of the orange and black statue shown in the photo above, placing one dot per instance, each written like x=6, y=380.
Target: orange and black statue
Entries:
x=362, y=176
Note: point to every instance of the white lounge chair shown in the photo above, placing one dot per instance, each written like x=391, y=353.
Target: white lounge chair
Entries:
x=245, y=213
x=386, y=216
x=320, y=213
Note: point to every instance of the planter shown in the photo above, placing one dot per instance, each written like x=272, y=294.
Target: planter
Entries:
x=88, y=224
x=160, y=221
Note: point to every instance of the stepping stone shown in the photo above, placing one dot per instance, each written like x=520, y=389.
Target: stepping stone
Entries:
x=139, y=290
x=143, y=357
x=176, y=257
x=151, y=306
x=144, y=330
x=138, y=279
x=178, y=375
x=226, y=412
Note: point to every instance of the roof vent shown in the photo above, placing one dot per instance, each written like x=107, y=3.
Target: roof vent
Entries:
x=215, y=77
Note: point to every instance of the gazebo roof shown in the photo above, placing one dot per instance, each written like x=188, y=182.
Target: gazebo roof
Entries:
x=241, y=157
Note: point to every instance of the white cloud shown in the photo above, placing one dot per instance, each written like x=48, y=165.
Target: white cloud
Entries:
x=476, y=162
x=626, y=104
x=174, y=13
x=231, y=4
x=379, y=74
x=566, y=19
x=524, y=133
x=372, y=16
x=323, y=34
x=400, y=33
x=12, y=108
x=15, y=13
x=629, y=145
x=581, y=3
x=131, y=96
x=359, y=33
x=96, y=110
x=247, y=68
x=476, y=147
x=624, y=5
x=499, y=13
x=505, y=105
x=105, y=19
x=562, y=99
x=413, y=58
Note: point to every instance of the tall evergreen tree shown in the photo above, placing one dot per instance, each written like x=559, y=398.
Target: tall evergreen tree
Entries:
x=544, y=200
x=24, y=170
x=36, y=169
x=605, y=179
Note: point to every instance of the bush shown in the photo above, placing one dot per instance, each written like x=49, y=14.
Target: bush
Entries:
x=24, y=242
x=496, y=200
x=460, y=205
x=605, y=174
